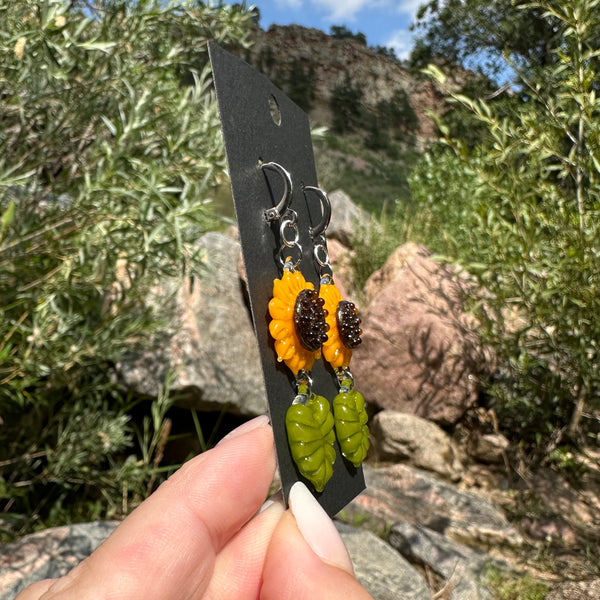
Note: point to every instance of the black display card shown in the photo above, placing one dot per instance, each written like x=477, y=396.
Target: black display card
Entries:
x=260, y=123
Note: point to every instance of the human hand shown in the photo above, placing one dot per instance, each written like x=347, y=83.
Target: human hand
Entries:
x=203, y=535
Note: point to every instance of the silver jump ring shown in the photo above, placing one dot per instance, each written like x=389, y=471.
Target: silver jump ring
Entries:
x=289, y=223
x=275, y=213
x=285, y=257
x=321, y=254
x=325, y=208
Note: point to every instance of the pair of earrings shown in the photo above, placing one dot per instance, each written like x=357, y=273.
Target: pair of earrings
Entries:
x=307, y=325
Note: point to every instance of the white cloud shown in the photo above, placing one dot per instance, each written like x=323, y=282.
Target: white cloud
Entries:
x=340, y=10
x=409, y=7
x=347, y=10
x=402, y=43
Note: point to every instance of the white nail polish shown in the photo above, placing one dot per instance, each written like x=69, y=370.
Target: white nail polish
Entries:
x=317, y=528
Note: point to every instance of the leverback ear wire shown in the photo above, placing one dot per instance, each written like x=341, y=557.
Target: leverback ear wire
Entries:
x=320, y=254
x=275, y=213
x=350, y=415
x=288, y=226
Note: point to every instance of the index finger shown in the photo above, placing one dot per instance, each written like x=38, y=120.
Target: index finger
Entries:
x=167, y=547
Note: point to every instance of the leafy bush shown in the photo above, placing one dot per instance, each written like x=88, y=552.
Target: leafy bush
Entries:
x=346, y=106
x=519, y=210
x=109, y=143
x=341, y=32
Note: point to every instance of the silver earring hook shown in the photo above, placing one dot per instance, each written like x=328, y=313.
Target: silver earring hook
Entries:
x=320, y=229
x=321, y=256
x=275, y=213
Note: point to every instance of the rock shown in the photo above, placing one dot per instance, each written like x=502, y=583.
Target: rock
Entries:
x=209, y=345
x=550, y=530
x=396, y=262
x=380, y=569
x=54, y=552
x=401, y=493
x=340, y=259
x=419, y=354
x=575, y=590
x=345, y=216
x=462, y=567
x=47, y=554
x=400, y=436
x=489, y=448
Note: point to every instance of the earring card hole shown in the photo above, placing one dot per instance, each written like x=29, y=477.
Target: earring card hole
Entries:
x=274, y=110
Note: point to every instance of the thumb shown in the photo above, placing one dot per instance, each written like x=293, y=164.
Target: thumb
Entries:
x=306, y=558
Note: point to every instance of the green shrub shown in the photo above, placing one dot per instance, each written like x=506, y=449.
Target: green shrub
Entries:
x=519, y=210
x=341, y=32
x=509, y=586
x=109, y=144
x=346, y=106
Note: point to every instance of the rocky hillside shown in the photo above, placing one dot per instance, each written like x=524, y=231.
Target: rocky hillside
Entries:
x=327, y=62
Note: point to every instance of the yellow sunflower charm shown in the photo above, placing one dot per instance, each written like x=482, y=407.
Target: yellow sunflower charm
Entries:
x=298, y=324
x=344, y=327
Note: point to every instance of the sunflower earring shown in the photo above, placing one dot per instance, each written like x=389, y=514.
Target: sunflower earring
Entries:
x=350, y=415
x=299, y=328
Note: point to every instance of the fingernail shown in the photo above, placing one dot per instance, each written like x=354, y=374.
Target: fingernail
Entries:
x=246, y=427
x=317, y=528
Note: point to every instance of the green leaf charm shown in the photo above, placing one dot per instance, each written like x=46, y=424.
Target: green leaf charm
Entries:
x=351, y=425
x=311, y=438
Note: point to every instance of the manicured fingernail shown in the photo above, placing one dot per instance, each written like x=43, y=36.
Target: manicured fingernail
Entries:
x=317, y=528
x=246, y=427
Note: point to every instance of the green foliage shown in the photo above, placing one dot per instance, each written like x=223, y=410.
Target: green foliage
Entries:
x=520, y=212
x=341, y=32
x=299, y=84
x=376, y=180
x=109, y=143
x=373, y=242
x=393, y=119
x=478, y=34
x=387, y=52
x=508, y=586
x=346, y=106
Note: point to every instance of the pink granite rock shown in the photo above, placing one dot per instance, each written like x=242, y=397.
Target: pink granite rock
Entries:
x=419, y=354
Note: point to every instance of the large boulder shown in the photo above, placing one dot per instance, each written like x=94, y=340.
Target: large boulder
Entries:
x=48, y=554
x=404, y=437
x=462, y=568
x=419, y=354
x=402, y=493
x=209, y=343
x=384, y=573
x=345, y=217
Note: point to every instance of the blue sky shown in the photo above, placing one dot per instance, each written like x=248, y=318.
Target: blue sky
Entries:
x=384, y=22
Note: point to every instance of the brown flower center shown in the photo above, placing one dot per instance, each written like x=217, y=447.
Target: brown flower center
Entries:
x=348, y=323
x=309, y=320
